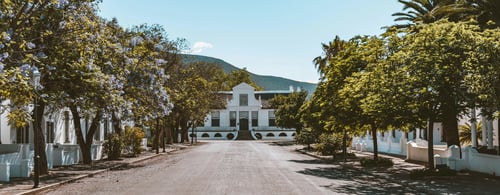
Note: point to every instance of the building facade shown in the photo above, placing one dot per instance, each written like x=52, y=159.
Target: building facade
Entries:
x=247, y=116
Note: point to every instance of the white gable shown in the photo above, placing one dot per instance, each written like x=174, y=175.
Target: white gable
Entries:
x=243, y=87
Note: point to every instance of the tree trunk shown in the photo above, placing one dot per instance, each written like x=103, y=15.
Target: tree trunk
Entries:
x=40, y=140
x=85, y=144
x=184, y=130
x=116, y=123
x=450, y=123
x=169, y=135
x=344, y=145
x=175, y=134
x=163, y=137
x=157, y=138
x=430, y=143
x=375, y=144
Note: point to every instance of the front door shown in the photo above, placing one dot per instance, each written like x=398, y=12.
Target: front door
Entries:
x=243, y=124
x=244, y=120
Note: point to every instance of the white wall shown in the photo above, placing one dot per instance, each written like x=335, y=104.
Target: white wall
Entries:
x=4, y=127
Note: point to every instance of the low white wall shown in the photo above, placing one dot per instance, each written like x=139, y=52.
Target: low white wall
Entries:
x=65, y=154
x=418, y=152
x=16, y=164
x=202, y=135
x=385, y=144
x=474, y=161
x=274, y=134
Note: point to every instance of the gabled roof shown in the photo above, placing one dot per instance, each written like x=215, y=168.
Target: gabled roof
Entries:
x=244, y=86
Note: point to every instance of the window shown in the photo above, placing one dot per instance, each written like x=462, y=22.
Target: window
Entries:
x=243, y=99
x=50, y=131
x=22, y=135
x=215, y=118
x=106, y=127
x=232, y=118
x=66, y=126
x=272, y=119
x=255, y=118
x=97, y=133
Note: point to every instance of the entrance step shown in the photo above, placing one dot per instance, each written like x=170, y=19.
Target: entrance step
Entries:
x=244, y=135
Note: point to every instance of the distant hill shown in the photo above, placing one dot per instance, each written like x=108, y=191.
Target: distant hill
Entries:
x=267, y=82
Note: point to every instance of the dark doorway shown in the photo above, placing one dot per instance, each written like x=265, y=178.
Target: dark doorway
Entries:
x=243, y=124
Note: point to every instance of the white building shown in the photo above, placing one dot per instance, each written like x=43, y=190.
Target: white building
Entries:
x=16, y=144
x=246, y=116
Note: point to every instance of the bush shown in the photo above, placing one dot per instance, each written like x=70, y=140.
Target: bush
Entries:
x=132, y=138
x=305, y=137
x=381, y=162
x=113, y=146
x=328, y=144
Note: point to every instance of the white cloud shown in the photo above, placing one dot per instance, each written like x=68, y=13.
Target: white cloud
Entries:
x=199, y=47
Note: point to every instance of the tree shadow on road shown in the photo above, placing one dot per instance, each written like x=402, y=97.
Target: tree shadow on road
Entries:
x=352, y=181
x=313, y=161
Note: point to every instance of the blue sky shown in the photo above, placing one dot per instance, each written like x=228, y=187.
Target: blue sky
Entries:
x=268, y=37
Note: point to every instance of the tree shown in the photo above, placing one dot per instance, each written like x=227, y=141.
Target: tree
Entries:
x=486, y=12
x=26, y=41
x=236, y=77
x=194, y=89
x=287, y=109
x=330, y=50
x=429, y=11
x=374, y=95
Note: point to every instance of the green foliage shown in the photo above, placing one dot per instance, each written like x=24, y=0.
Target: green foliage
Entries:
x=132, y=138
x=306, y=137
x=236, y=77
x=329, y=144
x=113, y=146
x=380, y=162
x=465, y=132
x=288, y=109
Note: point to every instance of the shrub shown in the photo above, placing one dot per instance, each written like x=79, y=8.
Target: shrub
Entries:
x=132, y=138
x=381, y=162
x=113, y=146
x=328, y=144
x=305, y=137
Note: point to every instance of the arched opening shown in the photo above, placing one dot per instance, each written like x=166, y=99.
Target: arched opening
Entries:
x=230, y=136
x=282, y=134
x=217, y=135
x=205, y=135
x=293, y=134
x=192, y=135
x=270, y=135
x=258, y=136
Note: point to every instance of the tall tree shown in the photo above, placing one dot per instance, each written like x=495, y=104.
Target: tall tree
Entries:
x=447, y=61
x=330, y=50
x=194, y=88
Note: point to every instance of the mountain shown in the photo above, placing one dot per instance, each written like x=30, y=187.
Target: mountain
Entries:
x=267, y=82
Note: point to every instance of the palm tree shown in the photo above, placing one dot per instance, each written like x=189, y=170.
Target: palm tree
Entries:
x=428, y=11
x=484, y=11
x=465, y=133
x=329, y=50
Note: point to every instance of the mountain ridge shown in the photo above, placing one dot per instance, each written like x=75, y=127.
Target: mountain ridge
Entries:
x=268, y=82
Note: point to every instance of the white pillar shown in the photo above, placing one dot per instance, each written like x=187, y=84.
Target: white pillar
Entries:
x=484, y=129
x=489, y=127
x=473, y=127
